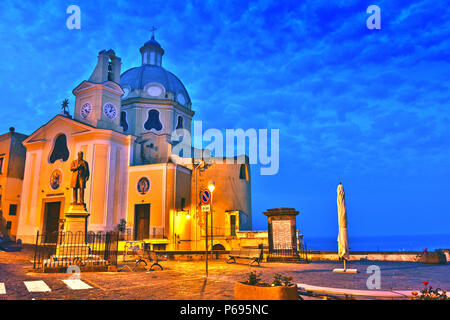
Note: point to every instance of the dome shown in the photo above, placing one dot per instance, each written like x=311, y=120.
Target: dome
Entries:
x=152, y=42
x=145, y=80
x=151, y=80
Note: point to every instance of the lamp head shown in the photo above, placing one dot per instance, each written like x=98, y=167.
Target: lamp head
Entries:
x=211, y=186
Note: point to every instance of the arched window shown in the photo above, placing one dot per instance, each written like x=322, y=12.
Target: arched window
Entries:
x=60, y=150
x=243, y=172
x=153, y=121
x=180, y=123
x=123, y=121
x=110, y=71
x=218, y=246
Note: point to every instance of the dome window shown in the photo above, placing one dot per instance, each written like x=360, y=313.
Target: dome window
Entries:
x=180, y=123
x=153, y=121
x=60, y=150
x=181, y=99
x=123, y=121
x=126, y=92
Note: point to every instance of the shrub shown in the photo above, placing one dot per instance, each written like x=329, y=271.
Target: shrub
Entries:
x=428, y=293
x=280, y=280
x=121, y=227
x=253, y=278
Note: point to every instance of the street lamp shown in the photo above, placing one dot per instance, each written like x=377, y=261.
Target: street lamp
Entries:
x=211, y=187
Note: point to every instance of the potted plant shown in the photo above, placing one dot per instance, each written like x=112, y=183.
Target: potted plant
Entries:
x=428, y=293
x=254, y=289
x=121, y=227
x=436, y=257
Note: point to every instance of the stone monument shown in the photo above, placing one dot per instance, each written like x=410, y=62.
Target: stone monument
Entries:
x=73, y=243
x=282, y=232
x=76, y=216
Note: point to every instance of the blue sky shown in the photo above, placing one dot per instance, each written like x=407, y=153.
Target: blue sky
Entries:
x=369, y=108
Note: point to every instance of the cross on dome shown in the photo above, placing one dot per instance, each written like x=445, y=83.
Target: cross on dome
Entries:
x=153, y=29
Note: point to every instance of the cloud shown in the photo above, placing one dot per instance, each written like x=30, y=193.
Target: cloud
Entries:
x=346, y=99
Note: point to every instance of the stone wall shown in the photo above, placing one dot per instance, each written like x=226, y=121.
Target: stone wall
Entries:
x=410, y=256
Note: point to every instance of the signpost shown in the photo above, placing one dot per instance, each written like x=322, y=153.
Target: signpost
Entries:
x=205, y=198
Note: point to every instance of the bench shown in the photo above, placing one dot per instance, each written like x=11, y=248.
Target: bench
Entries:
x=308, y=290
x=255, y=255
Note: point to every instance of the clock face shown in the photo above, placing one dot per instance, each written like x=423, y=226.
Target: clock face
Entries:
x=110, y=111
x=86, y=110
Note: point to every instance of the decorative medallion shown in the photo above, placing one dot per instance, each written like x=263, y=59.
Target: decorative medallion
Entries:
x=143, y=185
x=56, y=179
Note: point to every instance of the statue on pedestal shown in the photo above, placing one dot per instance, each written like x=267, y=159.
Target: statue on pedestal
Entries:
x=80, y=174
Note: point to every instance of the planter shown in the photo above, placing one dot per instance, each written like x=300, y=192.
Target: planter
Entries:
x=248, y=292
x=437, y=257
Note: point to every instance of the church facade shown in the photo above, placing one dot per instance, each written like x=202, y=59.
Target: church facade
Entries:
x=123, y=123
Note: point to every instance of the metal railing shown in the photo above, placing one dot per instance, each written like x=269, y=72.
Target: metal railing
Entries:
x=288, y=254
x=218, y=232
x=153, y=233
x=63, y=249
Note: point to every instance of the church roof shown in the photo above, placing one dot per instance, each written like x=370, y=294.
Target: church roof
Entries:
x=36, y=135
x=152, y=42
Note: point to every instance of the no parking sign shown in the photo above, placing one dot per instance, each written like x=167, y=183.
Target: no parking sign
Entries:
x=205, y=196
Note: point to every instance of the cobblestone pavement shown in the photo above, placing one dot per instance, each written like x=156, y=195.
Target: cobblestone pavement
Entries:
x=185, y=279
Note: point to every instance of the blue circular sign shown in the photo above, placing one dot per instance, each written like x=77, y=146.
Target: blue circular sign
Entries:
x=205, y=196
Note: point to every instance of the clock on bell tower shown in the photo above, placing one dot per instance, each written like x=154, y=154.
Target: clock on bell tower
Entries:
x=97, y=100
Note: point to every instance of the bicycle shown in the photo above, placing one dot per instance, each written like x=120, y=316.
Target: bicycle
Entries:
x=143, y=256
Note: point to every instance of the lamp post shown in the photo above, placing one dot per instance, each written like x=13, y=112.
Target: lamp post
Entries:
x=211, y=187
x=206, y=242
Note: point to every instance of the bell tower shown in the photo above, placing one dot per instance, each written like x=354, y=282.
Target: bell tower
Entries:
x=97, y=100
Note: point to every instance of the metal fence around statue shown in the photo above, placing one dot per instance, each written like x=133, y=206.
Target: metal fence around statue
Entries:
x=63, y=249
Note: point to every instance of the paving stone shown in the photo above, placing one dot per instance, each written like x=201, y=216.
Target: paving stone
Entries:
x=186, y=279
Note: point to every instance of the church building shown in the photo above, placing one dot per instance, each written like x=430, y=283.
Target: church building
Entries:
x=123, y=123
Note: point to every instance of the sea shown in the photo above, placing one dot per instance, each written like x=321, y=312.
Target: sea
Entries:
x=382, y=243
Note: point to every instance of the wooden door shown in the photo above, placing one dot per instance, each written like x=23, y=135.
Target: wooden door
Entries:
x=141, y=221
x=51, y=223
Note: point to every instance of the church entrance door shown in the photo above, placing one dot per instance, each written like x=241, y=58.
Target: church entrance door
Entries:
x=141, y=221
x=51, y=221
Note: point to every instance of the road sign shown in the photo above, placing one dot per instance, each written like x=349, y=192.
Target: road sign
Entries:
x=206, y=208
x=205, y=196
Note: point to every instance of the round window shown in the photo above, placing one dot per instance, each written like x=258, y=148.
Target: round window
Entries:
x=154, y=91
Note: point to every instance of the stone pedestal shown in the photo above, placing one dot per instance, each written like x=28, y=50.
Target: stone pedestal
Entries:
x=76, y=219
x=73, y=242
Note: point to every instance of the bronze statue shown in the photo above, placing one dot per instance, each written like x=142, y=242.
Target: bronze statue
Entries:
x=80, y=175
